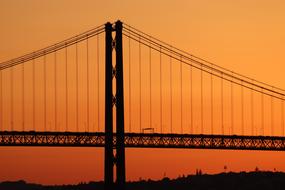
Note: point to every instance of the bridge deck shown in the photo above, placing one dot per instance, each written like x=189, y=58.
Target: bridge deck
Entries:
x=142, y=140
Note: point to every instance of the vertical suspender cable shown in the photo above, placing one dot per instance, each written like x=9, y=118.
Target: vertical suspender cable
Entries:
x=55, y=91
x=181, y=105
x=66, y=91
x=251, y=112
x=130, y=83
x=23, y=96
x=1, y=103
x=242, y=109
x=262, y=112
x=191, y=100
x=87, y=85
x=150, y=101
x=202, y=109
x=140, y=87
x=160, y=88
x=272, y=114
x=170, y=94
x=282, y=115
x=77, y=67
x=222, y=103
x=34, y=96
x=232, y=106
x=212, y=121
x=12, y=96
x=45, y=94
x=98, y=84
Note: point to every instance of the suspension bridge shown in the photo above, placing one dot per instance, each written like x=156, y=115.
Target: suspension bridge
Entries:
x=117, y=87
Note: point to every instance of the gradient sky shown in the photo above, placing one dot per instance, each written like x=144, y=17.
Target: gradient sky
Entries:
x=246, y=36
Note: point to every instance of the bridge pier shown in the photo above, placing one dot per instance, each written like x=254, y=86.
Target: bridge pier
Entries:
x=118, y=158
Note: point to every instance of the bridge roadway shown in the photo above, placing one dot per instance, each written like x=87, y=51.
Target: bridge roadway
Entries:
x=143, y=140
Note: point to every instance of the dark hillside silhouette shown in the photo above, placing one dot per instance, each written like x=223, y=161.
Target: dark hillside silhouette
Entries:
x=260, y=180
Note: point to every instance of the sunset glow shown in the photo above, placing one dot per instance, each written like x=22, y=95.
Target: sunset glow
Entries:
x=245, y=37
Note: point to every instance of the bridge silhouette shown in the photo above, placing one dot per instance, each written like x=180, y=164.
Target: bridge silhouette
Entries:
x=136, y=92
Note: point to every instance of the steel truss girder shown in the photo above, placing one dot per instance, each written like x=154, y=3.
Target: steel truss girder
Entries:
x=142, y=140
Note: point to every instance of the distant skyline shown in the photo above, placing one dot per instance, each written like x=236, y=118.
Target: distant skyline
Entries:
x=245, y=36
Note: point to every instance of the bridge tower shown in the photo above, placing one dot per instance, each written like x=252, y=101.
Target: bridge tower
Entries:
x=114, y=100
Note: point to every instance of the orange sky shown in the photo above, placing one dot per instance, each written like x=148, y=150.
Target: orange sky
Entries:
x=244, y=36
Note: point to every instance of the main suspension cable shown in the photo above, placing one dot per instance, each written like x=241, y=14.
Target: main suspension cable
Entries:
x=166, y=45
x=50, y=49
x=206, y=68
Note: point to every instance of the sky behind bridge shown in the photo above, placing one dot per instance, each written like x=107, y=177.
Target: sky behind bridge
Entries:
x=245, y=36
